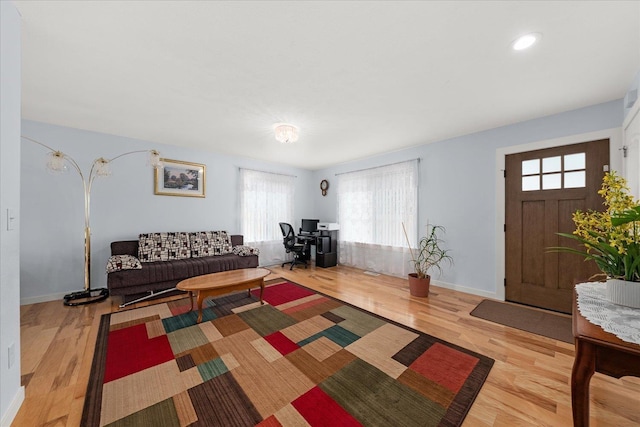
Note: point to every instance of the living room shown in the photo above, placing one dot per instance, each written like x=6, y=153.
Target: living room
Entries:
x=458, y=173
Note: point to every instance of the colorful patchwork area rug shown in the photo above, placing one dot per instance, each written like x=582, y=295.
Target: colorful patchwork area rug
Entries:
x=301, y=359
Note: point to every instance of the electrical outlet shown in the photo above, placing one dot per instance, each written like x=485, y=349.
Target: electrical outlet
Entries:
x=11, y=354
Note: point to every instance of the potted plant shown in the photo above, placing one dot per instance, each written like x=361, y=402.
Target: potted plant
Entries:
x=429, y=255
x=612, y=240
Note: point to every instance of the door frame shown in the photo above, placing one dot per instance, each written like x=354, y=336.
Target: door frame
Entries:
x=631, y=164
x=615, y=159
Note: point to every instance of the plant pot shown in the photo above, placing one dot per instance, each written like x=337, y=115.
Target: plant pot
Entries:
x=622, y=292
x=419, y=287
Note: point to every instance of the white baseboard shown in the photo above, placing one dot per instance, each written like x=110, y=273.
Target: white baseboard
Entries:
x=12, y=410
x=44, y=298
x=465, y=289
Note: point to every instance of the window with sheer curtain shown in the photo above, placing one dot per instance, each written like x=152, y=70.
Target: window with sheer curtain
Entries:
x=266, y=199
x=372, y=206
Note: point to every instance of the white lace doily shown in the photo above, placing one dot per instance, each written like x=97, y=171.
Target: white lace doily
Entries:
x=623, y=322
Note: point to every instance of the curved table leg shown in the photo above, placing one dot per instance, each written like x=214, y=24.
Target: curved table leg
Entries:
x=583, y=369
x=190, y=301
x=261, y=282
x=261, y=291
x=201, y=297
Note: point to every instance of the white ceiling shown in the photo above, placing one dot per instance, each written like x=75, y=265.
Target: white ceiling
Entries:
x=358, y=78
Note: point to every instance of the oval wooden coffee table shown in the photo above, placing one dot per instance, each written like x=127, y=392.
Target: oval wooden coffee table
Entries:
x=221, y=283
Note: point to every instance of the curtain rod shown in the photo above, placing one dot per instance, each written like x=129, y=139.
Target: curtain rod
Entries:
x=272, y=173
x=375, y=167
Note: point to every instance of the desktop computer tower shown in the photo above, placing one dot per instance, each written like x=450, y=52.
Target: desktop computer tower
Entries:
x=329, y=259
x=327, y=249
x=323, y=245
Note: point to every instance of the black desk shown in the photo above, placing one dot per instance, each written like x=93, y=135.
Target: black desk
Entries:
x=307, y=240
x=303, y=238
x=326, y=245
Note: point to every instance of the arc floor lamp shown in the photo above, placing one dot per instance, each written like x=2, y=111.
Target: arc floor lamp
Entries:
x=57, y=162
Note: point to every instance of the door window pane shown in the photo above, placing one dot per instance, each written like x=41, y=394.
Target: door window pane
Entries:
x=552, y=173
x=574, y=162
x=551, y=164
x=530, y=167
x=552, y=181
x=575, y=179
x=531, y=183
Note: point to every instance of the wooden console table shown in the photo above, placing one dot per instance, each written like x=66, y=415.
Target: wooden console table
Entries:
x=597, y=351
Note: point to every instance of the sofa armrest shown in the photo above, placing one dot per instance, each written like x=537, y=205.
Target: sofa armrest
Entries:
x=125, y=247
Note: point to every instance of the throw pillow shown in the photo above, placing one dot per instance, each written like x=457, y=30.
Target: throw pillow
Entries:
x=163, y=246
x=221, y=243
x=177, y=244
x=150, y=248
x=199, y=242
x=243, y=250
x=123, y=262
x=207, y=243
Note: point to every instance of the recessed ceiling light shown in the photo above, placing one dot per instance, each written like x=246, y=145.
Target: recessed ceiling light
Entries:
x=526, y=41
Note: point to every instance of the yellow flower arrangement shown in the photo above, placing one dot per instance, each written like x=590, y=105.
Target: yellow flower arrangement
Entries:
x=612, y=237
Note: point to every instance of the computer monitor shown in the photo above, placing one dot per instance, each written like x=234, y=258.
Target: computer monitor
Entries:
x=309, y=225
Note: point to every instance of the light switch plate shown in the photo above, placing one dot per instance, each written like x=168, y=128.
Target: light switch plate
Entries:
x=11, y=355
x=11, y=219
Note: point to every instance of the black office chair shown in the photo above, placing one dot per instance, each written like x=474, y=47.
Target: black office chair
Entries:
x=290, y=244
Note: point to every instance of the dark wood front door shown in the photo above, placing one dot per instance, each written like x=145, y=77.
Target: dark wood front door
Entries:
x=543, y=188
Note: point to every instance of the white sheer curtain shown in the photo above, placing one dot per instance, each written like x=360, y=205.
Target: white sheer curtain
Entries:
x=372, y=205
x=265, y=200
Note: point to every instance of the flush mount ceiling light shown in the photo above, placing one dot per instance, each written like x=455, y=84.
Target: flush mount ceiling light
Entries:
x=286, y=133
x=526, y=41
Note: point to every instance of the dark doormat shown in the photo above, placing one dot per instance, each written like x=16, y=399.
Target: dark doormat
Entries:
x=536, y=321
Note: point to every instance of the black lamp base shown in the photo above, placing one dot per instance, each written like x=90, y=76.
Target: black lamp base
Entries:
x=86, y=297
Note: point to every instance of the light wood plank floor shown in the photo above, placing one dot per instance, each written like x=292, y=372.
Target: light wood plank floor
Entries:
x=528, y=385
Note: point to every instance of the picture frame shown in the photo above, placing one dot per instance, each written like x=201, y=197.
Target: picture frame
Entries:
x=178, y=178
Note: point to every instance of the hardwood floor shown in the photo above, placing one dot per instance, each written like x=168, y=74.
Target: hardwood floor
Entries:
x=528, y=385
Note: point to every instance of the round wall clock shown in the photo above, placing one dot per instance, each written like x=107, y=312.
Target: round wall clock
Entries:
x=324, y=185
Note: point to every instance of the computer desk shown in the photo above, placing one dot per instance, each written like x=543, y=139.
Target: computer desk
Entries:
x=306, y=237
x=308, y=240
x=325, y=257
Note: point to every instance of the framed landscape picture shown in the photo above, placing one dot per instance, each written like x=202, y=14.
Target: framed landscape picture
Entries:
x=177, y=178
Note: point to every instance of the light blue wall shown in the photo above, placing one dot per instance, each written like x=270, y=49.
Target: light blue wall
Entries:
x=11, y=393
x=457, y=190
x=122, y=205
x=632, y=93
x=457, y=186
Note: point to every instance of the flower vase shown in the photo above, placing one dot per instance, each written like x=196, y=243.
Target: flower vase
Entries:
x=623, y=292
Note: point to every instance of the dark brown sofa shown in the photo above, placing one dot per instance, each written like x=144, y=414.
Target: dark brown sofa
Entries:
x=161, y=275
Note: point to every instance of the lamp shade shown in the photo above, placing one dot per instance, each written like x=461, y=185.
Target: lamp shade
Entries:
x=55, y=162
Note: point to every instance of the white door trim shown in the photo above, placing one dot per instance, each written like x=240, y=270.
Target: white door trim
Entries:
x=615, y=159
x=631, y=139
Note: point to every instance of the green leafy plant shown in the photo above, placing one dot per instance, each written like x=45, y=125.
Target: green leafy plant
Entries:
x=429, y=255
x=611, y=238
